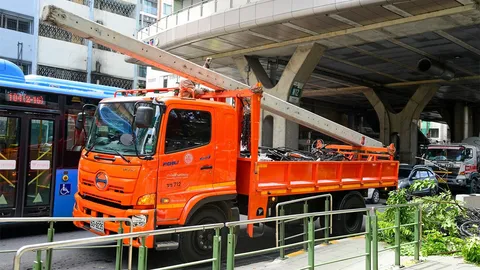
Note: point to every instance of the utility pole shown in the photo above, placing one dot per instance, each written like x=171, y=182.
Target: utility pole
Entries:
x=90, y=43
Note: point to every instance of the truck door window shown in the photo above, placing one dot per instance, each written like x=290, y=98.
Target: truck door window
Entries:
x=187, y=129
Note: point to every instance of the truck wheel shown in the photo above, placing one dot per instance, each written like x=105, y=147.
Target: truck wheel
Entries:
x=198, y=245
x=474, y=186
x=348, y=223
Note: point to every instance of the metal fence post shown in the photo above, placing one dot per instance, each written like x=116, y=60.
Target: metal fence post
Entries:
x=37, y=265
x=397, y=236
x=217, y=253
x=50, y=233
x=327, y=220
x=305, y=225
x=231, y=249
x=142, y=255
x=368, y=243
x=374, y=240
x=311, y=244
x=418, y=223
x=119, y=256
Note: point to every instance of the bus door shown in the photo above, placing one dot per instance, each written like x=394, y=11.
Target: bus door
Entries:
x=27, y=160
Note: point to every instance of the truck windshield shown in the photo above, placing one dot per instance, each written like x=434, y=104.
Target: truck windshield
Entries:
x=444, y=154
x=111, y=131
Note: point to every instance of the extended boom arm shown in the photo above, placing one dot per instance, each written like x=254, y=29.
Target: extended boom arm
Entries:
x=171, y=63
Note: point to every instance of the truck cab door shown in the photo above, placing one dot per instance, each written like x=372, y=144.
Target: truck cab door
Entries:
x=186, y=166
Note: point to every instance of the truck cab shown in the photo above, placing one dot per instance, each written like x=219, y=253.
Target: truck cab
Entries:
x=159, y=161
x=455, y=164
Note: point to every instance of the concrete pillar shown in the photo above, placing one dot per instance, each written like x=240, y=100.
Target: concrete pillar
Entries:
x=461, y=120
x=402, y=128
x=475, y=122
x=289, y=87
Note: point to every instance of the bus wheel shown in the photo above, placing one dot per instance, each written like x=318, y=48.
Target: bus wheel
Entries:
x=198, y=245
x=351, y=223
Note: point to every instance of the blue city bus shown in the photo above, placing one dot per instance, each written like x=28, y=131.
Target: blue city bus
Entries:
x=39, y=145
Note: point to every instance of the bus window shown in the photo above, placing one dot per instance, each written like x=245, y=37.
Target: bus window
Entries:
x=9, y=142
x=40, y=162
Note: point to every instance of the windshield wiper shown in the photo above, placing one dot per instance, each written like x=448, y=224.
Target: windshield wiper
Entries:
x=120, y=154
x=91, y=148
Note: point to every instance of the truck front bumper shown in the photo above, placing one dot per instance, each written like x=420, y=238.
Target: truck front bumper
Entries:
x=88, y=209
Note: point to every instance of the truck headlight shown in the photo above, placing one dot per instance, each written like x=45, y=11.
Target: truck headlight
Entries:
x=139, y=221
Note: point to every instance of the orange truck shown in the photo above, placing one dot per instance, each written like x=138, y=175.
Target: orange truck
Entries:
x=167, y=161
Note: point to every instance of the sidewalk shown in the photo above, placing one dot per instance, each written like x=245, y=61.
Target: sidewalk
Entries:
x=441, y=262
x=352, y=247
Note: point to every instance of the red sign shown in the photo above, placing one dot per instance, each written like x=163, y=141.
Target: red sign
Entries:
x=23, y=97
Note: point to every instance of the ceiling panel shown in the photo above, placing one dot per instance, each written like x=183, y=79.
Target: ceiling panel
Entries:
x=217, y=45
x=279, y=31
x=321, y=24
x=245, y=39
x=426, y=6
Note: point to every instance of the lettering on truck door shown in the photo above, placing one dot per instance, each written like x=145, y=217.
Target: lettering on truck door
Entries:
x=186, y=168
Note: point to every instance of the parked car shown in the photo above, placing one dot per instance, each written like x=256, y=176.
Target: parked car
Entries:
x=409, y=174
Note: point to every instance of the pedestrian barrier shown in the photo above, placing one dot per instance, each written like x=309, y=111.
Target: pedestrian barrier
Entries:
x=310, y=242
x=280, y=211
x=417, y=214
x=38, y=264
x=142, y=252
x=371, y=240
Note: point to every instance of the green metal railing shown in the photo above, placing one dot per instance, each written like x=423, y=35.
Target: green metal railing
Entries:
x=281, y=238
x=46, y=264
x=142, y=252
x=310, y=242
x=417, y=213
x=371, y=240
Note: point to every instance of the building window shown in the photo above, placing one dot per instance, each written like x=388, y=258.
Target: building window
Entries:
x=434, y=133
x=150, y=7
x=178, y=137
x=165, y=81
x=167, y=9
x=16, y=23
x=142, y=71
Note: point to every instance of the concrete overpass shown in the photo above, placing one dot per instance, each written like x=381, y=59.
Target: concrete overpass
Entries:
x=345, y=58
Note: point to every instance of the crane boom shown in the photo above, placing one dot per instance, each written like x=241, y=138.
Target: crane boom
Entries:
x=168, y=62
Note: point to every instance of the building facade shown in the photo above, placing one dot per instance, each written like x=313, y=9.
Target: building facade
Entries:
x=18, y=33
x=47, y=50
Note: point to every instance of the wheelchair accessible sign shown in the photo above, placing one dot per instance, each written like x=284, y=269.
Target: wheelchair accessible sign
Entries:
x=65, y=189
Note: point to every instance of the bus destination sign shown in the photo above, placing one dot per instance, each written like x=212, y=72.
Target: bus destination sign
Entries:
x=24, y=97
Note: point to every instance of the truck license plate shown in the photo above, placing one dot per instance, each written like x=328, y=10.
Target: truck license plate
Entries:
x=98, y=226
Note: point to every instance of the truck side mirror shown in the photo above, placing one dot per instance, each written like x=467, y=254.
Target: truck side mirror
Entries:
x=144, y=117
x=79, y=123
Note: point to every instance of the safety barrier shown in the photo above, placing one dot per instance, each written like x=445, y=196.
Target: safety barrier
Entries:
x=417, y=224
x=142, y=252
x=371, y=239
x=280, y=211
x=39, y=265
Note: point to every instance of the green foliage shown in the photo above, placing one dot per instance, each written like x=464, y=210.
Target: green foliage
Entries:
x=439, y=214
x=437, y=243
x=471, y=250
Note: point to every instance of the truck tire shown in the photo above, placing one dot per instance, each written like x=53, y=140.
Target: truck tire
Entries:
x=474, y=186
x=344, y=224
x=198, y=245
